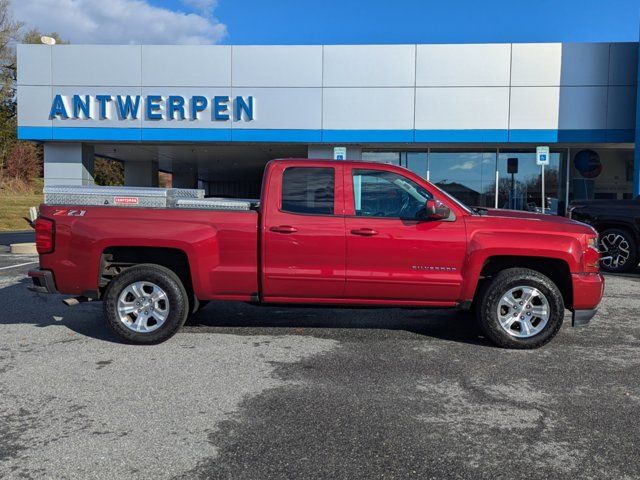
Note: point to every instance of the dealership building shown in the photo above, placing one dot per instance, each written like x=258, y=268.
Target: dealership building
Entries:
x=467, y=117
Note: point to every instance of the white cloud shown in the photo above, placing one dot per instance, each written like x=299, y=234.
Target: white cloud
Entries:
x=121, y=21
x=463, y=166
x=204, y=6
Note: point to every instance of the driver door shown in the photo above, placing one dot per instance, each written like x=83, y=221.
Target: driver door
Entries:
x=393, y=252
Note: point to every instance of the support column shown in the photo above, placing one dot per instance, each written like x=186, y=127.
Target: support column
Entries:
x=636, y=157
x=184, y=175
x=141, y=174
x=354, y=152
x=68, y=164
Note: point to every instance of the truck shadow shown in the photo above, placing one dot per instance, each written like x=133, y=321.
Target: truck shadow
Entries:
x=244, y=319
x=21, y=306
x=18, y=305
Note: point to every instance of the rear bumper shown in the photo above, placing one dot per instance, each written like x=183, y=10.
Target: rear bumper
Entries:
x=588, y=289
x=43, y=281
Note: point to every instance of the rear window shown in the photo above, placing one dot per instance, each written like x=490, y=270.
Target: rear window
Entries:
x=308, y=190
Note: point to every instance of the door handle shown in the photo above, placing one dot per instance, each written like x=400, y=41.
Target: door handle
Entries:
x=284, y=229
x=365, y=232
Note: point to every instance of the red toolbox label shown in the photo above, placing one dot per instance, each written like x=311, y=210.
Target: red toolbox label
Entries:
x=125, y=200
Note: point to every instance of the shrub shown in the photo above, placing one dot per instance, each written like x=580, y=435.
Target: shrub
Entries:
x=24, y=162
x=108, y=172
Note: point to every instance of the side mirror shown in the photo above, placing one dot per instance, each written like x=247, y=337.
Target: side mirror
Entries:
x=436, y=210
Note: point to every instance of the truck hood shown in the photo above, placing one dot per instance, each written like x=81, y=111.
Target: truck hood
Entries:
x=562, y=223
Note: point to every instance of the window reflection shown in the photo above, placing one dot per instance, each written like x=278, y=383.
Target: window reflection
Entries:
x=522, y=190
x=383, y=157
x=468, y=176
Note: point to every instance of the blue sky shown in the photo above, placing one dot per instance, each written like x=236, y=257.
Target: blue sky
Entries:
x=414, y=21
x=331, y=21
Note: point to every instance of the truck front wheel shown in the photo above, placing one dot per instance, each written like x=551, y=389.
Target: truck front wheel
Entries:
x=146, y=304
x=520, y=308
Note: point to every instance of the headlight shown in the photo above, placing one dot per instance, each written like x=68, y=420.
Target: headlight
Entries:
x=591, y=255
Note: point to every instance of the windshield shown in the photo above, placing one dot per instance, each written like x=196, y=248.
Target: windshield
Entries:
x=462, y=205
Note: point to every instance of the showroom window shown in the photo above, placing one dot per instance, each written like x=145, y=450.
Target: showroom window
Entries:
x=470, y=176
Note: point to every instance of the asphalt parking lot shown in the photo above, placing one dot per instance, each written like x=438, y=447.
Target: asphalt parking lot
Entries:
x=259, y=393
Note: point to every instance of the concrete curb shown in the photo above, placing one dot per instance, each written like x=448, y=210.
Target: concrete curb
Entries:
x=23, y=248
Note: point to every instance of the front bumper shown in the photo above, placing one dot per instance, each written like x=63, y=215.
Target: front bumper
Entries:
x=43, y=281
x=582, y=317
x=588, y=289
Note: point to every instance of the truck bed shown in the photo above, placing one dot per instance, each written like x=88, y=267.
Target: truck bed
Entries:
x=221, y=245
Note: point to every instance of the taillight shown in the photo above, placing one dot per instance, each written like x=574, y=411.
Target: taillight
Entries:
x=44, y=235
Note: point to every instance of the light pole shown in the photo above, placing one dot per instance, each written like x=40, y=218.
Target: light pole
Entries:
x=47, y=40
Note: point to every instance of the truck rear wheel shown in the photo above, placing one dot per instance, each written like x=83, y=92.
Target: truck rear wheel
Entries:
x=146, y=304
x=520, y=308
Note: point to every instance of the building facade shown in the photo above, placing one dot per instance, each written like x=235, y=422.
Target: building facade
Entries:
x=466, y=117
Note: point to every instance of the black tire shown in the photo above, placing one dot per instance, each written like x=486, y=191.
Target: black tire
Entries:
x=167, y=280
x=632, y=260
x=500, y=284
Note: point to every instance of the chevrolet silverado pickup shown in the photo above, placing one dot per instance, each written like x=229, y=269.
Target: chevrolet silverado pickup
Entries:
x=340, y=233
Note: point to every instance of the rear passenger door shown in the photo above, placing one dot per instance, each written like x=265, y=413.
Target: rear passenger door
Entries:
x=304, y=233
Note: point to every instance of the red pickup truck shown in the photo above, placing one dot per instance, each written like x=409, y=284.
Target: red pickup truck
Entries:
x=323, y=233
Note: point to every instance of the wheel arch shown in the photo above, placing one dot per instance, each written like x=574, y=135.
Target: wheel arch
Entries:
x=116, y=259
x=611, y=224
x=557, y=270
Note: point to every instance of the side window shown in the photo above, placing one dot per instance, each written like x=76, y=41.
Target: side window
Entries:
x=378, y=193
x=308, y=190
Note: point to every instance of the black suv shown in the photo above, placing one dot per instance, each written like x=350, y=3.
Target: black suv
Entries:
x=618, y=223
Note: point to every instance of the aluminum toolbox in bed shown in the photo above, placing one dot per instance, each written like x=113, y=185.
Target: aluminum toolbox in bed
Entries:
x=118, y=196
x=215, y=203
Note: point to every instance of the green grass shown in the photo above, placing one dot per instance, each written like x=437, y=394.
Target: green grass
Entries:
x=14, y=206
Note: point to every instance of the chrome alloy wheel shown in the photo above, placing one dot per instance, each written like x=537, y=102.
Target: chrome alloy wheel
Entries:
x=523, y=311
x=614, y=250
x=143, y=307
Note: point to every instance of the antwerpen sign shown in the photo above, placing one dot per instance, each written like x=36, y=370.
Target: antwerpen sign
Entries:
x=152, y=107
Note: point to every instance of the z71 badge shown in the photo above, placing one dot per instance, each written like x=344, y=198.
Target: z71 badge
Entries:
x=69, y=213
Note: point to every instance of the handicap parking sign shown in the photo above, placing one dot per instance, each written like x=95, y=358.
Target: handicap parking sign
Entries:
x=542, y=155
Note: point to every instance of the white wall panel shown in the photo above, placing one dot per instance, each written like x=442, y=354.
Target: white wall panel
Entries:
x=34, y=105
x=621, y=108
x=186, y=65
x=368, y=108
x=463, y=65
x=534, y=108
x=277, y=66
x=534, y=64
x=369, y=65
x=34, y=64
x=584, y=64
x=582, y=108
x=623, y=64
x=204, y=118
x=462, y=108
x=117, y=65
x=286, y=108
